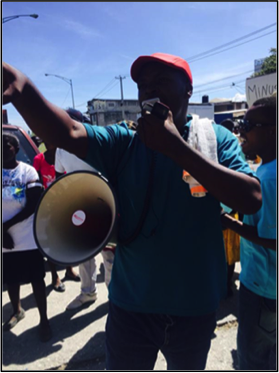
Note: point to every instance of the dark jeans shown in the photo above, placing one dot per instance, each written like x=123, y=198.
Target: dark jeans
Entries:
x=134, y=339
x=256, y=338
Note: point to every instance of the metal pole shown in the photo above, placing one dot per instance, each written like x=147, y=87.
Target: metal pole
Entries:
x=10, y=18
x=121, y=91
x=69, y=81
x=71, y=84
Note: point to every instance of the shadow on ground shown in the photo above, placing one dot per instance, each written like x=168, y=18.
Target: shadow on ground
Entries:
x=27, y=348
x=228, y=306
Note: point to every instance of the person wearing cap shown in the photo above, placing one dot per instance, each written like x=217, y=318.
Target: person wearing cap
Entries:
x=168, y=279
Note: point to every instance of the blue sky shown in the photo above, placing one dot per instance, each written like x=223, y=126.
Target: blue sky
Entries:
x=92, y=43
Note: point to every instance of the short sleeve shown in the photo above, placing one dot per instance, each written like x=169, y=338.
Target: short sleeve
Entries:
x=31, y=174
x=106, y=147
x=58, y=164
x=267, y=223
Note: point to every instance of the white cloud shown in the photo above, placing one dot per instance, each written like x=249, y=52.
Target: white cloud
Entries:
x=81, y=29
x=77, y=27
x=238, y=97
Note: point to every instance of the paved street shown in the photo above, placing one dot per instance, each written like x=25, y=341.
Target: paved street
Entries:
x=78, y=336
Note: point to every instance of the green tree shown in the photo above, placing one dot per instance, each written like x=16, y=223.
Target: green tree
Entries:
x=269, y=64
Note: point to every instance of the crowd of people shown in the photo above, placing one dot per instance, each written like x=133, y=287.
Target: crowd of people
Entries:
x=170, y=267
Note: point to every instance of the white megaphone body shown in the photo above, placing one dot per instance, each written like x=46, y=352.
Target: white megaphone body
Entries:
x=76, y=218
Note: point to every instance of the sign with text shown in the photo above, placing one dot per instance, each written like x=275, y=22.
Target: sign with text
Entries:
x=260, y=87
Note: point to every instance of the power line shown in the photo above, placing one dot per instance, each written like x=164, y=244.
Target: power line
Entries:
x=215, y=88
x=224, y=50
x=219, y=80
x=114, y=85
x=239, y=90
x=98, y=94
x=231, y=42
x=194, y=58
x=218, y=90
x=232, y=47
x=102, y=92
x=84, y=103
x=66, y=96
x=203, y=55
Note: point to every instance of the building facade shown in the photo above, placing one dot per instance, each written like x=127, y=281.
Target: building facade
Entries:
x=109, y=111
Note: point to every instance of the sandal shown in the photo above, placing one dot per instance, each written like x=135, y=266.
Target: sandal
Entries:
x=14, y=319
x=72, y=277
x=60, y=287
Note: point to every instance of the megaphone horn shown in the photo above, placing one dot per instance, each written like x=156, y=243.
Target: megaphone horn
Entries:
x=76, y=218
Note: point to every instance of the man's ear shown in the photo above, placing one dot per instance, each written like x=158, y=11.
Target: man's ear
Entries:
x=188, y=91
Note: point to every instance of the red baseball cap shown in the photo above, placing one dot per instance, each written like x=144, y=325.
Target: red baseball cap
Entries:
x=167, y=59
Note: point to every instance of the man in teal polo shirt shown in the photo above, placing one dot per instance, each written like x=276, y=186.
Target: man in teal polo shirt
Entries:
x=167, y=281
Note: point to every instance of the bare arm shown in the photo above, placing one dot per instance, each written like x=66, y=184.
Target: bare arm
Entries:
x=247, y=231
x=32, y=198
x=49, y=122
x=237, y=190
x=234, y=189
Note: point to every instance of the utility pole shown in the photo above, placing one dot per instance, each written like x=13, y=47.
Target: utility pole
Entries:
x=121, y=90
x=69, y=81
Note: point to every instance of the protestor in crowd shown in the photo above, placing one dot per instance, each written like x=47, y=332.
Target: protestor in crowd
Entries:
x=36, y=140
x=39, y=143
x=168, y=280
x=44, y=164
x=22, y=261
x=66, y=162
x=228, y=124
x=256, y=339
x=231, y=238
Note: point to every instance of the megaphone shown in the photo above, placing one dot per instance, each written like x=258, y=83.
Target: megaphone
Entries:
x=76, y=218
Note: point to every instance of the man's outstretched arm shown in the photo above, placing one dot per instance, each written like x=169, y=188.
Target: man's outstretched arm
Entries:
x=48, y=121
